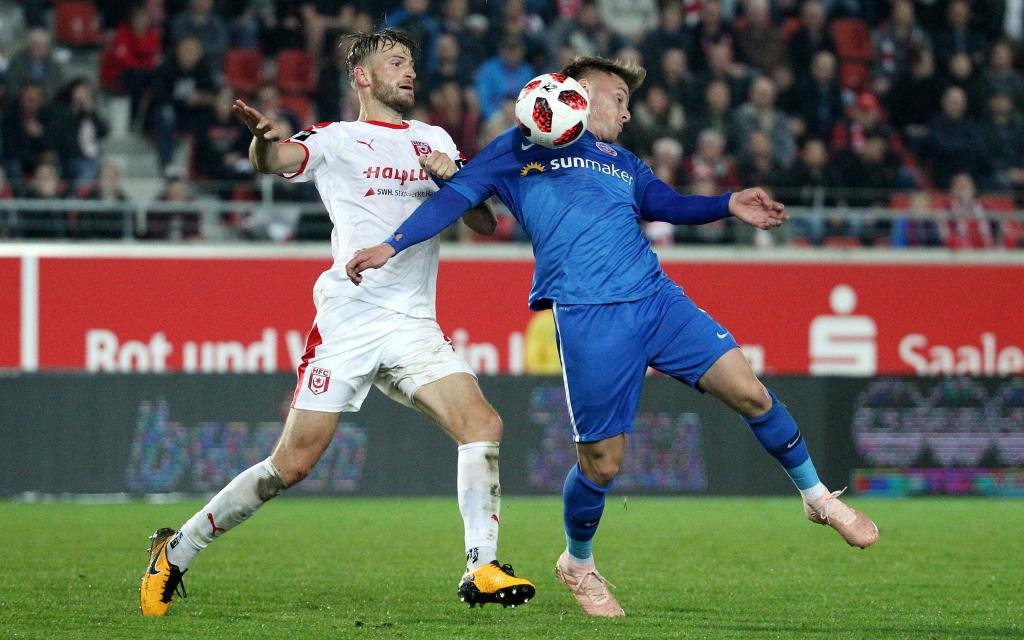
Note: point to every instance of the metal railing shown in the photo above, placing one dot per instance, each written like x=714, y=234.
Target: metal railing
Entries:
x=274, y=221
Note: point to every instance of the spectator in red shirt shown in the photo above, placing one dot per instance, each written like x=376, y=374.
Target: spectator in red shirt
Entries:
x=132, y=56
x=968, y=226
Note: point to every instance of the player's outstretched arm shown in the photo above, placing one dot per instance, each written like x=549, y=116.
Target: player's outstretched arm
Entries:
x=429, y=219
x=370, y=258
x=753, y=206
x=266, y=151
x=756, y=208
x=440, y=165
x=663, y=203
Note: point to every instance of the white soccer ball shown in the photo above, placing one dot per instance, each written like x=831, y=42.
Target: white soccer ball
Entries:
x=552, y=110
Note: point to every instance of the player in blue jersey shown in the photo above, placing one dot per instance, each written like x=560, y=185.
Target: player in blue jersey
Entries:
x=615, y=309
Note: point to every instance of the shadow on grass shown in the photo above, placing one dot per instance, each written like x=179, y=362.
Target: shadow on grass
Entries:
x=960, y=631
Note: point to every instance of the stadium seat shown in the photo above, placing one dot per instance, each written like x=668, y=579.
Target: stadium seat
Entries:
x=243, y=69
x=300, y=107
x=854, y=75
x=900, y=201
x=240, y=219
x=77, y=24
x=790, y=26
x=853, y=39
x=1012, y=234
x=842, y=242
x=296, y=71
x=941, y=202
x=110, y=72
x=997, y=203
x=1011, y=231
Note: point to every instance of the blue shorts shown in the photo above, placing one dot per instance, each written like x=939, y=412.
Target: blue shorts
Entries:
x=606, y=349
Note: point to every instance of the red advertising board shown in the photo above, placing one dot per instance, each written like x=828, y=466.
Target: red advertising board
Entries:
x=165, y=314
x=10, y=312
x=862, y=319
x=250, y=314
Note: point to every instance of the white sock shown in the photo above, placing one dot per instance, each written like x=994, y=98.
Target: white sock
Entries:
x=814, y=493
x=479, y=501
x=581, y=563
x=229, y=508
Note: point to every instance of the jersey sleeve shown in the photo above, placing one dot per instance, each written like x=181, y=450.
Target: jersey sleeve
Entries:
x=313, y=141
x=662, y=203
x=656, y=200
x=478, y=180
x=644, y=178
x=446, y=145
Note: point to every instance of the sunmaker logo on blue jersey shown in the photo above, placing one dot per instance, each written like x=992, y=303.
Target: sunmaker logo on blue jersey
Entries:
x=577, y=162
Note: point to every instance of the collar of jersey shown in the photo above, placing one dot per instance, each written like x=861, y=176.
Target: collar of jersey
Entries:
x=389, y=125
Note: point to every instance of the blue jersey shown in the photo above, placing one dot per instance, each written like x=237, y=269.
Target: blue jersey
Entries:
x=580, y=207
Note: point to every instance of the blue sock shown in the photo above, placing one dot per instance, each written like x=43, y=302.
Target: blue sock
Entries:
x=778, y=434
x=583, y=504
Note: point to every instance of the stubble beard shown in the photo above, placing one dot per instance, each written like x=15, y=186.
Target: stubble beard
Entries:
x=391, y=97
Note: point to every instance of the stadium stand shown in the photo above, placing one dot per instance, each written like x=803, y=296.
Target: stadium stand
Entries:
x=877, y=102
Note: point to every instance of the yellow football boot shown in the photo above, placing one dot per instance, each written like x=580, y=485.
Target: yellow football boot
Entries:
x=495, y=583
x=162, y=579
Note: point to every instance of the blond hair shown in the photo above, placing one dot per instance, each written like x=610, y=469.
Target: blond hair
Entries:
x=630, y=72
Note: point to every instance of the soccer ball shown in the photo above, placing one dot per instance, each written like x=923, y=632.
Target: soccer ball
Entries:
x=552, y=110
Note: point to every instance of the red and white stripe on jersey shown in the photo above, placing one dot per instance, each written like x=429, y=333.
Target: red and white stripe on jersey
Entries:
x=305, y=161
x=313, y=340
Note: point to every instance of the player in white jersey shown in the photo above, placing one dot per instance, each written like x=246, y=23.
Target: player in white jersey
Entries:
x=371, y=174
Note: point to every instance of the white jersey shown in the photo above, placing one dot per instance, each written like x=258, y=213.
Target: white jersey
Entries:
x=370, y=180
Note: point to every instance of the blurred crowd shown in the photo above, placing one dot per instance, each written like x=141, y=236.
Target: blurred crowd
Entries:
x=914, y=105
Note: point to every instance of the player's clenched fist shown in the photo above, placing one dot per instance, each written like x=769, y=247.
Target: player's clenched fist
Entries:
x=439, y=164
x=371, y=258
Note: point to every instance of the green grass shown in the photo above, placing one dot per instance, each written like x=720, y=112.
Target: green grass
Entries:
x=387, y=568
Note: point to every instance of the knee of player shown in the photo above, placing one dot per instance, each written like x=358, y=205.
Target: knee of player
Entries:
x=294, y=472
x=602, y=470
x=487, y=426
x=754, y=400
x=605, y=473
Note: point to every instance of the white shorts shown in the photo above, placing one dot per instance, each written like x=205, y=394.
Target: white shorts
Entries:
x=353, y=344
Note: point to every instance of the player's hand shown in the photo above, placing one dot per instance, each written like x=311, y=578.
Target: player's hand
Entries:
x=754, y=207
x=371, y=258
x=439, y=164
x=262, y=128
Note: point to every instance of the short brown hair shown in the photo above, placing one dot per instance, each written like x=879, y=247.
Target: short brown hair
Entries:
x=631, y=73
x=363, y=44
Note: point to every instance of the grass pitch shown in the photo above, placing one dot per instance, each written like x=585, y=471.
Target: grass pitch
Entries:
x=388, y=568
